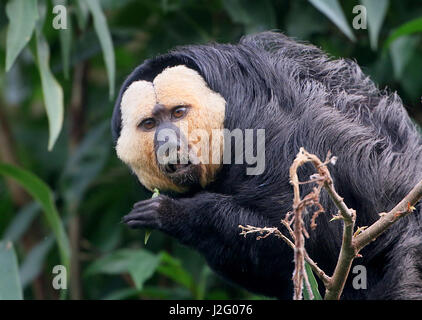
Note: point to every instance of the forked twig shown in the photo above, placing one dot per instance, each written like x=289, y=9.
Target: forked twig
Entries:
x=352, y=242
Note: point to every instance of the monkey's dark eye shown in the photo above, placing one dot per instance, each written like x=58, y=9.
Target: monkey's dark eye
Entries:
x=179, y=112
x=147, y=124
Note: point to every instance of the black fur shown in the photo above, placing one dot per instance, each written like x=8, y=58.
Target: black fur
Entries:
x=302, y=98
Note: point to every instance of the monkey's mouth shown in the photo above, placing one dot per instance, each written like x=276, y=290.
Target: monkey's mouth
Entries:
x=183, y=174
x=183, y=169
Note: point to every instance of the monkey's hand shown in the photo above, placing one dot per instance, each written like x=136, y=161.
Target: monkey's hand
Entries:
x=148, y=213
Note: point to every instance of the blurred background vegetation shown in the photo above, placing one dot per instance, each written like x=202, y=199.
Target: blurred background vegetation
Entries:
x=63, y=192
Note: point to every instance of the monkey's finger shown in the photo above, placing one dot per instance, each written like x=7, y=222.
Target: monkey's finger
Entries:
x=148, y=221
x=134, y=224
x=144, y=215
x=146, y=202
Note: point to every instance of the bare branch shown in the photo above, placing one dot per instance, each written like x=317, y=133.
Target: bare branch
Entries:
x=266, y=231
x=299, y=273
x=402, y=209
x=352, y=242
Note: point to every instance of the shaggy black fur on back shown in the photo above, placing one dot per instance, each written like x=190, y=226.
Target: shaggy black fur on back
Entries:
x=302, y=98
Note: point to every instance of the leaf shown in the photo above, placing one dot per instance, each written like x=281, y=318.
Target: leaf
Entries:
x=122, y=294
x=85, y=164
x=407, y=28
x=143, y=269
x=166, y=293
x=156, y=193
x=114, y=263
x=313, y=283
x=32, y=265
x=10, y=287
x=148, y=232
x=116, y=5
x=82, y=14
x=401, y=51
x=304, y=21
x=147, y=235
x=375, y=11
x=150, y=292
x=52, y=91
x=21, y=222
x=254, y=15
x=332, y=10
x=172, y=268
x=23, y=15
x=100, y=25
x=65, y=40
x=412, y=82
x=140, y=264
x=42, y=193
x=202, y=283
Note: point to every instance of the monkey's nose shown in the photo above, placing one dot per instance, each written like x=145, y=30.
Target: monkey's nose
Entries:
x=167, y=147
x=168, y=151
x=170, y=145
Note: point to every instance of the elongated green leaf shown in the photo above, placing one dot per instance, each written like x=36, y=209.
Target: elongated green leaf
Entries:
x=408, y=28
x=65, y=40
x=23, y=15
x=21, y=222
x=313, y=283
x=140, y=264
x=10, y=287
x=375, y=11
x=254, y=15
x=114, y=263
x=401, y=51
x=172, y=268
x=332, y=10
x=147, y=235
x=52, y=91
x=411, y=79
x=85, y=164
x=201, y=286
x=32, y=266
x=151, y=292
x=143, y=269
x=82, y=14
x=148, y=232
x=122, y=294
x=42, y=193
x=100, y=24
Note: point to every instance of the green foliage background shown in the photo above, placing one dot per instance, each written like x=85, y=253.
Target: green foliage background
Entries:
x=64, y=190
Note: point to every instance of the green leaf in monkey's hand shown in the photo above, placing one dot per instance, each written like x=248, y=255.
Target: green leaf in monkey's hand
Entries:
x=148, y=232
x=147, y=235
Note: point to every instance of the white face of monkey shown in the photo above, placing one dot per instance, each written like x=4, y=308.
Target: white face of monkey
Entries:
x=184, y=95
